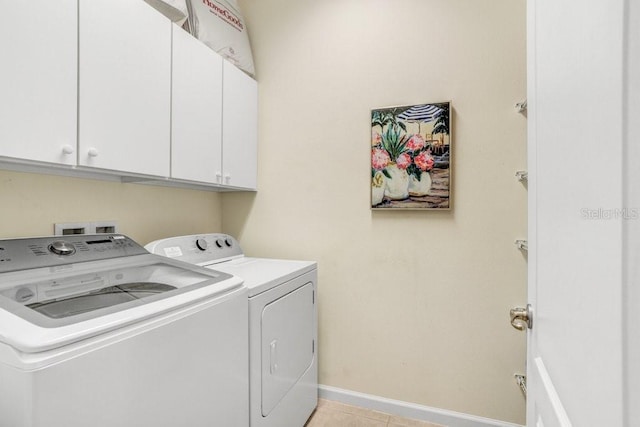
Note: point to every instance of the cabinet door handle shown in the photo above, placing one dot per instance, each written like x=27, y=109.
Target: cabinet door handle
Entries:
x=67, y=149
x=92, y=152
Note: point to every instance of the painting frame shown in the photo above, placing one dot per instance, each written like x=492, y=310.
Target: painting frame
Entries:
x=411, y=157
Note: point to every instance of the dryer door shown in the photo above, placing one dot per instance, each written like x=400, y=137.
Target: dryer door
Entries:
x=287, y=344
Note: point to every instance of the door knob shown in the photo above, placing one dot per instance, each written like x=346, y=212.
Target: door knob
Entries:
x=521, y=318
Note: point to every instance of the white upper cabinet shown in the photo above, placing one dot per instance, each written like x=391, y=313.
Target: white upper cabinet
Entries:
x=239, y=128
x=124, y=87
x=38, y=80
x=196, y=132
x=115, y=87
x=214, y=117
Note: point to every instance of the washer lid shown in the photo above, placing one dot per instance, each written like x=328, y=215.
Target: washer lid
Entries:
x=45, y=308
x=99, y=299
x=262, y=274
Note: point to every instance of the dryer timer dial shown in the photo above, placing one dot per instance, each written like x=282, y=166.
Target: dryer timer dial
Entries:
x=202, y=244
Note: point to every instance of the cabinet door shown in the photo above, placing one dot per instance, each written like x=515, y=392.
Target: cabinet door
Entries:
x=196, y=131
x=124, y=87
x=239, y=128
x=38, y=80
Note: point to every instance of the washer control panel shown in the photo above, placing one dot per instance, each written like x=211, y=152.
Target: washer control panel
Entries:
x=36, y=252
x=197, y=249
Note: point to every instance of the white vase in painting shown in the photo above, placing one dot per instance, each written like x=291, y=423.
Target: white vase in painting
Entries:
x=420, y=187
x=396, y=187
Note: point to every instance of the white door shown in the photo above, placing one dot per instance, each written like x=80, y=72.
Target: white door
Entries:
x=196, y=113
x=124, y=87
x=575, y=368
x=38, y=80
x=631, y=228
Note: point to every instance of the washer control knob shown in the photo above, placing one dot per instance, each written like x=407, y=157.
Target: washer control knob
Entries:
x=219, y=243
x=202, y=244
x=228, y=242
x=60, y=247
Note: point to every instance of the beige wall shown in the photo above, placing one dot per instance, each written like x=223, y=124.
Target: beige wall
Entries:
x=413, y=305
x=31, y=204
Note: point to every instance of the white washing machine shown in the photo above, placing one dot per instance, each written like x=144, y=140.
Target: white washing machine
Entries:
x=96, y=331
x=283, y=367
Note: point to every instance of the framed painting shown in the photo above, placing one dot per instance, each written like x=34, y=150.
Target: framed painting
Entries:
x=411, y=157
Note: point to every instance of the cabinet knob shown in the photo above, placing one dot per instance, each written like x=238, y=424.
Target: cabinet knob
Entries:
x=67, y=149
x=219, y=176
x=227, y=178
x=92, y=152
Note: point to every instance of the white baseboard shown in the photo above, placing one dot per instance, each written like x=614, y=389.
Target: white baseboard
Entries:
x=408, y=410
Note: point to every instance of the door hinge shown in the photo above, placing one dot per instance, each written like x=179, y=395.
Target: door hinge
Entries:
x=522, y=383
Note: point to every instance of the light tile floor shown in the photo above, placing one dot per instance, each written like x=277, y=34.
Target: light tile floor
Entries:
x=335, y=414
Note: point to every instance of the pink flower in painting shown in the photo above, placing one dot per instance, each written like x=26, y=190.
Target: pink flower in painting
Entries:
x=379, y=158
x=424, y=161
x=376, y=138
x=416, y=142
x=403, y=161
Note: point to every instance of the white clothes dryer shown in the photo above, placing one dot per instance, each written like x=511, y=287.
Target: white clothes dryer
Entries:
x=283, y=367
x=96, y=331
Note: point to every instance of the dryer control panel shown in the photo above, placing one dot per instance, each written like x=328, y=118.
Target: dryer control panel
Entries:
x=197, y=248
x=36, y=252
